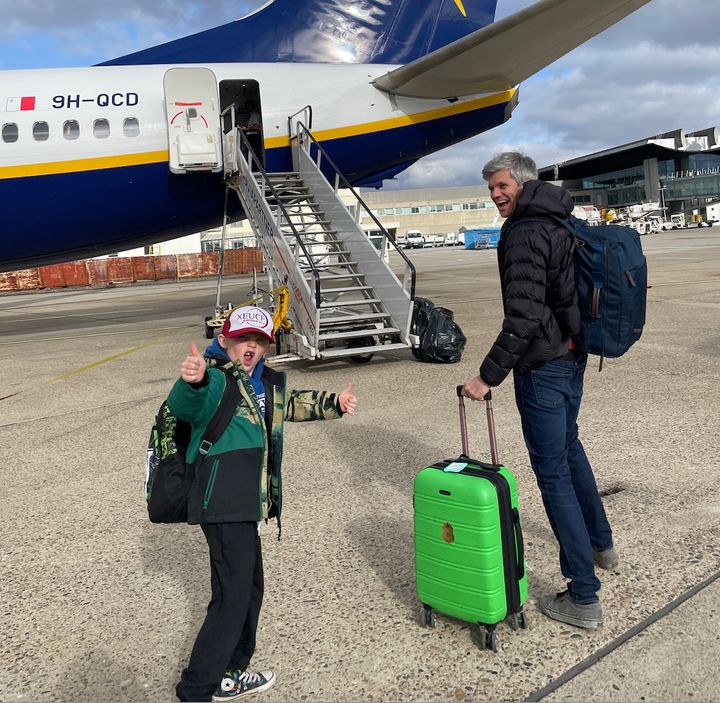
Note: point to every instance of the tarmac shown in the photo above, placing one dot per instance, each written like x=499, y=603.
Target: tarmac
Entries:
x=98, y=604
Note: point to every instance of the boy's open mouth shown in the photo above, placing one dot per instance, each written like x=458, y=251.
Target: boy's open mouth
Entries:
x=248, y=356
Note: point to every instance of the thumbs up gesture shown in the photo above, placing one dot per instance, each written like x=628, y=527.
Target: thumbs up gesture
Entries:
x=347, y=401
x=192, y=369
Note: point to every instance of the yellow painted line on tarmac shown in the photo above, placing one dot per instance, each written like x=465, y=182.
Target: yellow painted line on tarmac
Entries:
x=95, y=364
x=106, y=360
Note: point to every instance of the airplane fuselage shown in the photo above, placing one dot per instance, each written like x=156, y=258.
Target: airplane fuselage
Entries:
x=84, y=152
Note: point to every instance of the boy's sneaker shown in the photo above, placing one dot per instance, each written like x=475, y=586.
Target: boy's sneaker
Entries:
x=236, y=684
x=607, y=559
x=563, y=608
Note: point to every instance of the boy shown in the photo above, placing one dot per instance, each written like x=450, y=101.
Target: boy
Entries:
x=237, y=484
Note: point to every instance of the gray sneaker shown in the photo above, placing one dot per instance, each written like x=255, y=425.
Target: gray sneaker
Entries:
x=563, y=608
x=607, y=559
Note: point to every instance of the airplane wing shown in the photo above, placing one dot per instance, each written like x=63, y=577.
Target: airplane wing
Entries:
x=505, y=53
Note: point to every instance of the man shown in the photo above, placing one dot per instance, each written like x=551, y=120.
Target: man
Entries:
x=251, y=124
x=541, y=314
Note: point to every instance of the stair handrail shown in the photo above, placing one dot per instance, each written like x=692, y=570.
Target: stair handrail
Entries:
x=260, y=169
x=340, y=177
x=308, y=109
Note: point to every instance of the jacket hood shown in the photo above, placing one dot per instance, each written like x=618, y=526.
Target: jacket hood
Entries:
x=543, y=198
x=215, y=351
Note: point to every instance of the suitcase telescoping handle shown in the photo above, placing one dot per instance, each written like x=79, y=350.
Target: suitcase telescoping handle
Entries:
x=491, y=424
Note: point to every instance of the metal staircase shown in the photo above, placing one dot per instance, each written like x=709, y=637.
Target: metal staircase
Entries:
x=344, y=298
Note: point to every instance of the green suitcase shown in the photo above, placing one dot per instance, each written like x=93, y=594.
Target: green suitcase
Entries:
x=469, y=555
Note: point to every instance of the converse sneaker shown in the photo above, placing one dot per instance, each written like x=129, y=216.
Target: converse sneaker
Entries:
x=563, y=608
x=236, y=684
x=607, y=559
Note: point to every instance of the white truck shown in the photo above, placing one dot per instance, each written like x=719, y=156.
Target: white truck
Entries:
x=414, y=239
x=434, y=240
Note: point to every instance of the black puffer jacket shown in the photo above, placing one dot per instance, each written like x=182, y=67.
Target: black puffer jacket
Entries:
x=538, y=284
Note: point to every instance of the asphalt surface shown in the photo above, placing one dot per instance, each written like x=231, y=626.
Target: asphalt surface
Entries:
x=98, y=604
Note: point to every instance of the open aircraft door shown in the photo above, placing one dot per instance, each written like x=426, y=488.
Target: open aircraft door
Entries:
x=193, y=119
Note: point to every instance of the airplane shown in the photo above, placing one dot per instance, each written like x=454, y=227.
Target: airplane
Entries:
x=86, y=154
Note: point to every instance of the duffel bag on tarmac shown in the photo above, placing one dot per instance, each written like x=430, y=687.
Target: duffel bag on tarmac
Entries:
x=469, y=555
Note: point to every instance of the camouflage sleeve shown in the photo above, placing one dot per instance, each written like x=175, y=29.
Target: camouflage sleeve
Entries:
x=302, y=406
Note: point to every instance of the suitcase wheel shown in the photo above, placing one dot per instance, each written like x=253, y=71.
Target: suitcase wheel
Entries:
x=518, y=619
x=487, y=638
x=427, y=617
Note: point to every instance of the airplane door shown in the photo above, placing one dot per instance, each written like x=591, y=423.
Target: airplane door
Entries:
x=192, y=110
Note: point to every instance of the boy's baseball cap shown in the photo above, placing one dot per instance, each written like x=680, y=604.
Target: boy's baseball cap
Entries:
x=248, y=319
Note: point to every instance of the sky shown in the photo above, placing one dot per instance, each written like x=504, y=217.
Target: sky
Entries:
x=655, y=71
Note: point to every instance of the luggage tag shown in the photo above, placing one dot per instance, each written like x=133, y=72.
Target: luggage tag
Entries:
x=455, y=467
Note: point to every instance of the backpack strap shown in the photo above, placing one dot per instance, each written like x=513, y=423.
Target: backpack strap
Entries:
x=221, y=419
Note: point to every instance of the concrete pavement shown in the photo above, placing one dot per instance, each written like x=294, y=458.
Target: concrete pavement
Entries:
x=99, y=604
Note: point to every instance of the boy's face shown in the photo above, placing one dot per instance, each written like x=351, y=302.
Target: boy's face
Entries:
x=504, y=191
x=248, y=348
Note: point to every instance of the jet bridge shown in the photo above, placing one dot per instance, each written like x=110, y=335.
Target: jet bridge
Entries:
x=344, y=300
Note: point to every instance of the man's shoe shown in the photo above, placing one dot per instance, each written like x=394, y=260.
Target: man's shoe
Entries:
x=563, y=608
x=607, y=559
x=236, y=684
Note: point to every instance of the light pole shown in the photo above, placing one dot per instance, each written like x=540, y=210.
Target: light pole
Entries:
x=662, y=201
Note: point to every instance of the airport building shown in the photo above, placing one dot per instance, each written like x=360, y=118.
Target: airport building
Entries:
x=432, y=211
x=677, y=170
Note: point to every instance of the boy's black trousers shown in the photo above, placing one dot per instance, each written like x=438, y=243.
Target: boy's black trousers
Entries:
x=227, y=637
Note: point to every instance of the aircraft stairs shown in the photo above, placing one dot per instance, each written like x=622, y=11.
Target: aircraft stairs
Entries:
x=344, y=300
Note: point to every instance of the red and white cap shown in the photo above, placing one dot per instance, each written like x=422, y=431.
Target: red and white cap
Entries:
x=248, y=319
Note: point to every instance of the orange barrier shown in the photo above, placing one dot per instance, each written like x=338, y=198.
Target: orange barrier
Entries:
x=25, y=279
x=165, y=267
x=143, y=268
x=197, y=265
x=128, y=269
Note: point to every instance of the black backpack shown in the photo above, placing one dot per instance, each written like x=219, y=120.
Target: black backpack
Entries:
x=168, y=475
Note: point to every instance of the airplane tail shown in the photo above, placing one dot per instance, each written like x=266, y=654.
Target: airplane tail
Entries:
x=327, y=31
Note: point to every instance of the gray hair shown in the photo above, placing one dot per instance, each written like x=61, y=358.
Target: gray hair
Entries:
x=522, y=168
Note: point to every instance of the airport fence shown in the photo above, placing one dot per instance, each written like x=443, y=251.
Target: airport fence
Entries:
x=131, y=269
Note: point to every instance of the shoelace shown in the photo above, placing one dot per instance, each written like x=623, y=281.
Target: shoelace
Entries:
x=247, y=678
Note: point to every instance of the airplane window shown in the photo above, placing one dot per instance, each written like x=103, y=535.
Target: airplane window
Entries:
x=41, y=131
x=101, y=128
x=9, y=132
x=71, y=129
x=131, y=127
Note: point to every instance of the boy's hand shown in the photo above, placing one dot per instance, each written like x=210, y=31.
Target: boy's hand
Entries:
x=347, y=401
x=192, y=369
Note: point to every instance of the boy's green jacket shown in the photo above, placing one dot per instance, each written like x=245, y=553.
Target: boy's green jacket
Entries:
x=239, y=479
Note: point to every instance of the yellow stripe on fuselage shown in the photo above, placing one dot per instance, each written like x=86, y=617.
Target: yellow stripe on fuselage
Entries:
x=404, y=121
x=93, y=164
x=151, y=157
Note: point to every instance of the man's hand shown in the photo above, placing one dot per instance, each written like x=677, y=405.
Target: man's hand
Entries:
x=475, y=388
x=347, y=401
x=192, y=369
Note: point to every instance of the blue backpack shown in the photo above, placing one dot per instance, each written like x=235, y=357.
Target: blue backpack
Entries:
x=611, y=280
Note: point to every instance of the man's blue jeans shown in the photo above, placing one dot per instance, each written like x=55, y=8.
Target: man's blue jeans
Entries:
x=549, y=401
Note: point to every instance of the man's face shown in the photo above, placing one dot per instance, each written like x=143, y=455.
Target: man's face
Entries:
x=504, y=191
x=248, y=348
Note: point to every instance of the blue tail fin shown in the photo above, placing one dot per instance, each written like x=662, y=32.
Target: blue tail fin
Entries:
x=327, y=31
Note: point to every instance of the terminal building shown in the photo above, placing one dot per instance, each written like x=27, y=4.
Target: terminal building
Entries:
x=677, y=170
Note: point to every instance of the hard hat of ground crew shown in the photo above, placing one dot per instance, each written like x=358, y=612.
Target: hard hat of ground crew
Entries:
x=248, y=319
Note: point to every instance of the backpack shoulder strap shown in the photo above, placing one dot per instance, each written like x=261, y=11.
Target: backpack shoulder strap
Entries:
x=224, y=413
